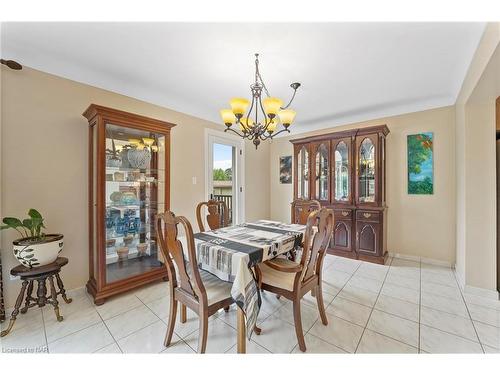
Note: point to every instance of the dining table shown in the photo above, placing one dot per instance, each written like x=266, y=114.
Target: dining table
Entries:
x=231, y=254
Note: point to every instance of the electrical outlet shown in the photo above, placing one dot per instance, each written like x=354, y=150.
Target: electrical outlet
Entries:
x=12, y=278
x=194, y=180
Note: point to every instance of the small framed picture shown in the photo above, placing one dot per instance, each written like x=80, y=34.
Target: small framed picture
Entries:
x=285, y=169
x=420, y=148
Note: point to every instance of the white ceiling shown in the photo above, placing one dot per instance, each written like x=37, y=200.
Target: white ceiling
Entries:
x=349, y=71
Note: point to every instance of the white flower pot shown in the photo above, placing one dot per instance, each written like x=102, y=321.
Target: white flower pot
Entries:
x=38, y=253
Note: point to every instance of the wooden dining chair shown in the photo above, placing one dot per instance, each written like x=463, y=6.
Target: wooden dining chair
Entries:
x=301, y=208
x=293, y=280
x=199, y=290
x=217, y=217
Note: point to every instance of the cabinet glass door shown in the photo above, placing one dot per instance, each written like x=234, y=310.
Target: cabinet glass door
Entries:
x=342, y=175
x=366, y=171
x=303, y=173
x=134, y=194
x=322, y=187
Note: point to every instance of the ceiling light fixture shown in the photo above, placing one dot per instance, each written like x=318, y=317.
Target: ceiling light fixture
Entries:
x=261, y=121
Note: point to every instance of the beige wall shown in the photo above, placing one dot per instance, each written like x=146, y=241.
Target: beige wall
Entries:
x=480, y=179
x=476, y=165
x=44, y=161
x=421, y=225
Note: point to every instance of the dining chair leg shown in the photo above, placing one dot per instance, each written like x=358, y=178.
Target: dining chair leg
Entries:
x=298, y=324
x=171, y=321
x=321, y=305
x=183, y=315
x=203, y=332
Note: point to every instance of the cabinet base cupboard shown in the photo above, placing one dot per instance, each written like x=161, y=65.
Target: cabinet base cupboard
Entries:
x=345, y=171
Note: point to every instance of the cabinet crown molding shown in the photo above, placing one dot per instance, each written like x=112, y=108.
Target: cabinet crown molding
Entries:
x=343, y=133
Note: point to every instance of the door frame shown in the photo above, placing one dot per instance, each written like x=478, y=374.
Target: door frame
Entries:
x=217, y=136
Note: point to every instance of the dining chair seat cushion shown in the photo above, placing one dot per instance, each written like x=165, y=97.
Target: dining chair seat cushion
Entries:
x=279, y=279
x=217, y=290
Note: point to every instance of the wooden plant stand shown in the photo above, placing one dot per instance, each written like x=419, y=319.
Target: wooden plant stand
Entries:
x=40, y=275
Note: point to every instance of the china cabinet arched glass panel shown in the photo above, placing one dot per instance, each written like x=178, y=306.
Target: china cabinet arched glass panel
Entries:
x=342, y=175
x=303, y=173
x=322, y=183
x=366, y=171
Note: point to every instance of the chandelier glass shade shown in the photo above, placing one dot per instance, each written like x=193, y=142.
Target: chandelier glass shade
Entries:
x=259, y=118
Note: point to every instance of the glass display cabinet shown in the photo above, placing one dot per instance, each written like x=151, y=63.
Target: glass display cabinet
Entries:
x=345, y=171
x=129, y=161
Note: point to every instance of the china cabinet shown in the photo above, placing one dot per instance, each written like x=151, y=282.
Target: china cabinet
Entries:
x=129, y=174
x=345, y=171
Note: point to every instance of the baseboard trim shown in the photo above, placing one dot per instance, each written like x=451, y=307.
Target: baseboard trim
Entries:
x=481, y=292
x=488, y=294
x=425, y=260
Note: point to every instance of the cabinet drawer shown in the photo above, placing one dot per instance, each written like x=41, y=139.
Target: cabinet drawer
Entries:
x=365, y=215
x=342, y=214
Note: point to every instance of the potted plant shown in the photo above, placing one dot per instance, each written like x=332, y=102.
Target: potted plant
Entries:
x=34, y=248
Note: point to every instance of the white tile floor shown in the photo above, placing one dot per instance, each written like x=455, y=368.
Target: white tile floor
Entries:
x=404, y=307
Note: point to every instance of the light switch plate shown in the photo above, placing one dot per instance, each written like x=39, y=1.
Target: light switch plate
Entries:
x=194, y=180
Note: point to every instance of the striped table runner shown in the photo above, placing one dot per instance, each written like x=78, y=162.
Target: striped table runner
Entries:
x=230, y=253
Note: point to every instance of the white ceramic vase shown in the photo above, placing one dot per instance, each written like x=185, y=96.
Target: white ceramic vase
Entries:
x=36, y=254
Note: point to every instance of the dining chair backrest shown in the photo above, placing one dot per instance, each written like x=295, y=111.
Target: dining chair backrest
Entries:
x=317, y=235
x=183, y=273
x=301, y=208
x=217, y=217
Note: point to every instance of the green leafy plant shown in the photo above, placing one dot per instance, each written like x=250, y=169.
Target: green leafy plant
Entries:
x=28, y=228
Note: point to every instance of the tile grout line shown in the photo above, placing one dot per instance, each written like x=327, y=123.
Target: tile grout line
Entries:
x=105, y=325
x=468, y=312
x=161, y=320
x=74, y=332
x=45, y=331
x=326, y=307
x=373, y=308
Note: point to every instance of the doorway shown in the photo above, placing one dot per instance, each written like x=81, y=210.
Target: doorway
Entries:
x=224, y=172
x=497, y=120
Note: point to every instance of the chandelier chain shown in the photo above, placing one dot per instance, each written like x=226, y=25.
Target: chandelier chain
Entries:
x=258, y=76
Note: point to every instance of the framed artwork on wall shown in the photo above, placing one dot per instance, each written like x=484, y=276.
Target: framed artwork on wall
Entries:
x=420, y=156
x=285, y=169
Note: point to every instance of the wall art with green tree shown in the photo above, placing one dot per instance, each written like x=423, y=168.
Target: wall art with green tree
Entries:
x=420, y=163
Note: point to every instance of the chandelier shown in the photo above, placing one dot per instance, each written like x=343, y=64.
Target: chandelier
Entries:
x=262, y=119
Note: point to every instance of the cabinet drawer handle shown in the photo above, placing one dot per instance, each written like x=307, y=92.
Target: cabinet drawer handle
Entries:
x=345, y=213
x=367, y=214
